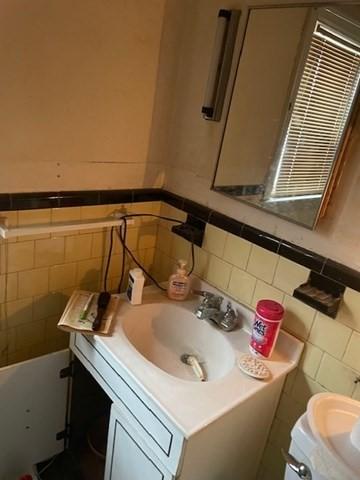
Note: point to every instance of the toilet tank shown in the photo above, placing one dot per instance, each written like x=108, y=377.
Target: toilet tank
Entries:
x=302, y=447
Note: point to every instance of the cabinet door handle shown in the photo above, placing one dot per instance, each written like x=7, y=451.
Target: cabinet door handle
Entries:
x=302, y=470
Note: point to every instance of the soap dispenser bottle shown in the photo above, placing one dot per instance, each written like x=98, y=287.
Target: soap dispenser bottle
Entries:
x=179, y=283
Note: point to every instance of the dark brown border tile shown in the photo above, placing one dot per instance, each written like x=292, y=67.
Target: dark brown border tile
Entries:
x=343, y=274
x=226, y=223
x=306, y=258
x=260, y=238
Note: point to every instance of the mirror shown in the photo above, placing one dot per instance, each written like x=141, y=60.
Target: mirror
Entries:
x=291, y=109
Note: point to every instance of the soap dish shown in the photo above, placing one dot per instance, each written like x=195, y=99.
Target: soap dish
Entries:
x=321, y=293
x=253, y=367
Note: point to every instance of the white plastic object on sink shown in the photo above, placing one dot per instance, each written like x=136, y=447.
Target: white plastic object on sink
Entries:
x=332, y=419
x=253, y=367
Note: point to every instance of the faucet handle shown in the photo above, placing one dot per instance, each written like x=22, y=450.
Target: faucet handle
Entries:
x=210, y=299
x=229, y=321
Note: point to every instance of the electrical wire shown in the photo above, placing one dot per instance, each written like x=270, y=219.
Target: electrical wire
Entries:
x=134, y=259
x=122, y=233
x=108, y=258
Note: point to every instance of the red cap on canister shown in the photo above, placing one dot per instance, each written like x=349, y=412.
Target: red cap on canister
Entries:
x=270, y=309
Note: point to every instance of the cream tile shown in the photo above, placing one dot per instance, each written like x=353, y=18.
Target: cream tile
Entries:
x=352, y=354
x=349, y=312
x=329, y=335
x=289, y=275
x=144, y=208
x=19, y=312
x=115, y=265
x=201, y=262
x=180, y=248
x=218, y=272
x=101, y=244
x=67, y=214
x=290, y=380
x=62, y=215
x=289, y=409
x=164, y=240
x=274, y=462
x=9, y=218
x=280, y=434
x=265, y=291
x=298, y=317
x=30, y=334
x=171, y=212
x=310, y=360
x=214, y=240
x=33, y=282
x=78, y=247
x=262, y=263
x=89, y=271
x=8, y=287
x=95, y=211
x=335, y=376
x=163, y=266
x=47, y=305
x=62, y=342
x=147, y=237
x=237, y=251
x=49, y=252
x=241, y=285
x=356, y=394
x=34, y=217
x=11, y=340
x=20, y=256
x=304, y=388
x=3, y=343
x=51, y=330
x=19, y=356
x=132, y=238
x=62, y=276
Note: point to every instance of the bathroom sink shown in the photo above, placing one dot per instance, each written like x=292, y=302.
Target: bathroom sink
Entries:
x=333, y=419
x=164, y=332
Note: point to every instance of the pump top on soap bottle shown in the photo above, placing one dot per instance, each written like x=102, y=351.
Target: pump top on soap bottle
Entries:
x=179, y=283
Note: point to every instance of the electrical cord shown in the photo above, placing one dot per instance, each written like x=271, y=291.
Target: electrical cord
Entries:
x=108, y=258
x=129, y=252
x=122, y=232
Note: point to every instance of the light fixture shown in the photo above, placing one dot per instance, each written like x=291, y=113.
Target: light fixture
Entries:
x=220, y=65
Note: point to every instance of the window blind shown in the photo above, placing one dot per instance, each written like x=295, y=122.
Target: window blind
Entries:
x=320, y=113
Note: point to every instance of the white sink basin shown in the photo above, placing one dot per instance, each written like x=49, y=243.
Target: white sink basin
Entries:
x=332, y=419
x=163, y=332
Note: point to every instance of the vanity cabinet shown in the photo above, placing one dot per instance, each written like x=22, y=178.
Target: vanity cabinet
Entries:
x=144, y=441
x=151, y=426
x=128, y=456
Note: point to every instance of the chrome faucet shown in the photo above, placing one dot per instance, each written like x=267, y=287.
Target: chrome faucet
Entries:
x=210, y=309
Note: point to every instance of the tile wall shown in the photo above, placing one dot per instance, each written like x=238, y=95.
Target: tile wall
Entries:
x=247, y=272
x=38, y=273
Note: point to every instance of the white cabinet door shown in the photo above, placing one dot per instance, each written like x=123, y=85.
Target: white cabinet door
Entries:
x=127, y=457
x=32, y=412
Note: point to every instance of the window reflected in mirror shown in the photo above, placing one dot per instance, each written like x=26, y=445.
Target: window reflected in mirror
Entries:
x=291, y=110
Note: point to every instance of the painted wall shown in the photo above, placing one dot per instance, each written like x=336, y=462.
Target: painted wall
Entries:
x=77, y=90
x=190, y=145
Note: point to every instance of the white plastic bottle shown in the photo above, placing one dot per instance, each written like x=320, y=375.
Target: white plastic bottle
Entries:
x=135, y=286
x=179, y=283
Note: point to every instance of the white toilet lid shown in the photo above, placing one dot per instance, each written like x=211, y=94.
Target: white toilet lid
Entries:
x=332, y=418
